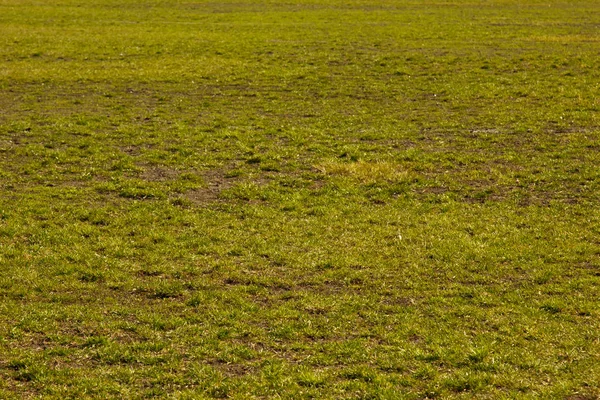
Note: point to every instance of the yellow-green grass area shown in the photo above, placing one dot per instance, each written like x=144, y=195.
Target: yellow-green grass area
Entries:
x=358, y=199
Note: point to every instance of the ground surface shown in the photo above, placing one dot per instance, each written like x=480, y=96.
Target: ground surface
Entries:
x=329, y=199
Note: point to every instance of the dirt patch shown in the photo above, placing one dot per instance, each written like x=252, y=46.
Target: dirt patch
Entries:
x=159, y=174
x=132, y=150
x=399, y=301
x=582, y=397
x=232, y=370
x=433, y=190
x=216, y=182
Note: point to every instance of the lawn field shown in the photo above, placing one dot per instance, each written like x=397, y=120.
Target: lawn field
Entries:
x=337, y=199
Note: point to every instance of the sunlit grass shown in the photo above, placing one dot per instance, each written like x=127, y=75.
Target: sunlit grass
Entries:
x=321, y=199
x=365, y=172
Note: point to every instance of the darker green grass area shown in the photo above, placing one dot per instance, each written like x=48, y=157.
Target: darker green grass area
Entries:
x=359, y=199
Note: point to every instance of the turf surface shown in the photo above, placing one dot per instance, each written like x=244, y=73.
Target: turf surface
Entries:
x=308, y=199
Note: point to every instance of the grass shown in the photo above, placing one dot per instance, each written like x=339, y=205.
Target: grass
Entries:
x=359, y=199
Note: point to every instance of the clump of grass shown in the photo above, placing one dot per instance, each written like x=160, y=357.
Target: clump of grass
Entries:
x=365, y=172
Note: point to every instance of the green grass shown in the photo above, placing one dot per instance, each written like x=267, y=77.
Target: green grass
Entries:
x=312, y=199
